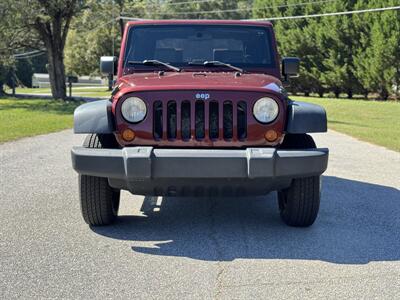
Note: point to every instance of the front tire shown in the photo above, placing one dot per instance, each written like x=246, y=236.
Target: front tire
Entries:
x=299, y=203
x=99, y=202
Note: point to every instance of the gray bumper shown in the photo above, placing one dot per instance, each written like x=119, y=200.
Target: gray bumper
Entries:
x=146, y=167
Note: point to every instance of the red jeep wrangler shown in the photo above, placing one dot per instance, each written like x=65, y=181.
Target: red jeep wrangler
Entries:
x=198, y=109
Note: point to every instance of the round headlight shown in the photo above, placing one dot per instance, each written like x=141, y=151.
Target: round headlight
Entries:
x=265, y=110
x=133, y=109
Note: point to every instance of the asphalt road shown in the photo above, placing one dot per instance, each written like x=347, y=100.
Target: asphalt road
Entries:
x=175, y=248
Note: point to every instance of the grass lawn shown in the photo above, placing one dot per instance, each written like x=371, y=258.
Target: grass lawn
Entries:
x=372, y=121
x=376, y=122
x=83, y=91
x=21, y=117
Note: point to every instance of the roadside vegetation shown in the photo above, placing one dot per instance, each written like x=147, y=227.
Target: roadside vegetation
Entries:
x=376, y=122
x=92, y=92
x=21, y=118
x=351, y=54
x=343, y=55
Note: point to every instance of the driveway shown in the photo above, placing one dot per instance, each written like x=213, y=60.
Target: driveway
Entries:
x=173, y=248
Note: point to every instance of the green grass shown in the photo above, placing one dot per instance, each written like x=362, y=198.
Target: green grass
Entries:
x=92, y=93
x=376, y=122
x=372, y=121
x=21, y=118
x=76, y=91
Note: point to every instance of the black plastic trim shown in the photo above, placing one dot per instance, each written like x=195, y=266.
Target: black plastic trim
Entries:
x=303, y=117
x=94, y=117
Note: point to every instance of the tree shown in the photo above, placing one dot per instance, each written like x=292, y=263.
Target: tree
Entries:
x=26, y=67
x=297, y=38
x=4, y=70
x=377, y=60
x=12, y=38
x=339, y=38
x=48, y=22
x=351, y=54
x=228, y=9
x=52, y=24
x=97, y=33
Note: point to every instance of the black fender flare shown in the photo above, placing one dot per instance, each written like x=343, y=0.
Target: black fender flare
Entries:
x=94, y=117
x=303, y=117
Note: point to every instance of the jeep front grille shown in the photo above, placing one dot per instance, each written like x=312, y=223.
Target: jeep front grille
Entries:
x=171, y=119
x=158, y=120
x=199, y=120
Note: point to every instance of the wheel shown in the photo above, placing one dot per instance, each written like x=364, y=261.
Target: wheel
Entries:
x=99, y=202
x=299, y=203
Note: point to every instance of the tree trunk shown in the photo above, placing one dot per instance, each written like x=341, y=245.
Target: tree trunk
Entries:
x=321, y=93
x=54, y=33
x=350, y=94
x=56, y=73
x=307, y=94
x=383, y=93
x=337, y=93
x=2, y=89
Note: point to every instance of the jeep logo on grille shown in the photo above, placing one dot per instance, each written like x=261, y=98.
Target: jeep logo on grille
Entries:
x=203, y=96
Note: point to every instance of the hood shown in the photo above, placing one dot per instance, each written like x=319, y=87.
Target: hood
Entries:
x=199, y=81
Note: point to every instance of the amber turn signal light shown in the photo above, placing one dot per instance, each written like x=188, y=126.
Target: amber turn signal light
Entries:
x=271, y=135
x=128, y=135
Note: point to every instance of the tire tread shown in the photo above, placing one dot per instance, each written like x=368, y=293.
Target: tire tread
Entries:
x=96, y=196
x=303, y=198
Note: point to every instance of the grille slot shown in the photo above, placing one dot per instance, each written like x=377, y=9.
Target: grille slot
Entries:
x=171, y=120
x=157, y=120
x=214, y=120
x=199, y=120
x=185, y=113
x=242, y=120
x=228, y=120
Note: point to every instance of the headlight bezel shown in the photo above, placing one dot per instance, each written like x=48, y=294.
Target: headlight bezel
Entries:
x=273, y=102
x=126, y=102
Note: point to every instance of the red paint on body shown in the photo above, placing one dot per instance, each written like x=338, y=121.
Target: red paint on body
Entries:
x=222, y=85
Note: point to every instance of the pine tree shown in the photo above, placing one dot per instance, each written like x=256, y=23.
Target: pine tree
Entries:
x=377, y=61
x=339, y=39
x=297, y=38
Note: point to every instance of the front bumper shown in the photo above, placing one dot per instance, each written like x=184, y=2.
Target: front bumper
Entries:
x=150, y=171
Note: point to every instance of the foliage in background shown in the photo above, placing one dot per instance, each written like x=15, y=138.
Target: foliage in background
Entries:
x=13, y=37
x=228, y=9
x=37, y=24
x=352, y=54
x=340, y=54
x=25, y=68
x=97, y=33
x=377, y=60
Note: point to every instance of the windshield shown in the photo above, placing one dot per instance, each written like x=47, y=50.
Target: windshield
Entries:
x=186, y=46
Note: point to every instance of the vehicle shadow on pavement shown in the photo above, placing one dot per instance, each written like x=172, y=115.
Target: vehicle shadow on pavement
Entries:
x=358, y=223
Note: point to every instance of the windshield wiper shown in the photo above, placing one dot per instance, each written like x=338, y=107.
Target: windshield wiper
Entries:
x=218, y=63
x=154, y=62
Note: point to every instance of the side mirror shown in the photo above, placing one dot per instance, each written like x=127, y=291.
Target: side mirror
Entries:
x=108, y=65
x=290, y=67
